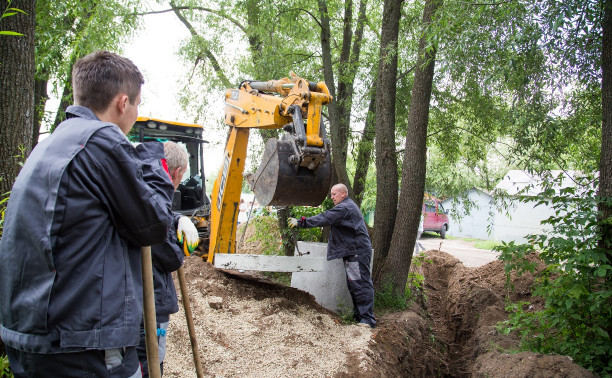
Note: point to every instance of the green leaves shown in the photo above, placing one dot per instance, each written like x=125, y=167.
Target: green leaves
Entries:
x=577, y=284
x=8, y=12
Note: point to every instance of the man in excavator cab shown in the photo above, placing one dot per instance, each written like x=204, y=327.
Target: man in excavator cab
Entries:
x=190, y=197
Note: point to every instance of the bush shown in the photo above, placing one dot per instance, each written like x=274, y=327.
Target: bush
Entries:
x=5, y=369
x=577, y=284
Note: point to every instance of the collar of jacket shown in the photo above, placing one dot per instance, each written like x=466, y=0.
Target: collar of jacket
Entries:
x=80, y=111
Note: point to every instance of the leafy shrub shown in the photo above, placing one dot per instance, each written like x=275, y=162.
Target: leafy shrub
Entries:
x=385, y=297
x=308, y=234
x=5, y=369
x=266, y=233
x=576, y=285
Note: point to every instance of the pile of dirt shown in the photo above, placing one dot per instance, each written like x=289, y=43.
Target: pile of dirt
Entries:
x=466, y=304
x=249, y=326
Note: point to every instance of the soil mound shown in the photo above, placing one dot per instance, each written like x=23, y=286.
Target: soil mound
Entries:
x=249, y=326
x=466, y=304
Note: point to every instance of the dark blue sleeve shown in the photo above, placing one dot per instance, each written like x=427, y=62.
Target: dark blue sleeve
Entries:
x=331, y=217
x=139, y=192
x=169, y=256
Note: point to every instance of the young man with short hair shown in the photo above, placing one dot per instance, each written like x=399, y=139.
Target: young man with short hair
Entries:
x=79, y=211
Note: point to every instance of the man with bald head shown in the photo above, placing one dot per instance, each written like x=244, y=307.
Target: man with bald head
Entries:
x=350, y=241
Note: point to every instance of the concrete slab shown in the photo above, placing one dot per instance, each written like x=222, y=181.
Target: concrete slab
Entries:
x=269, y=263
x=327, y=286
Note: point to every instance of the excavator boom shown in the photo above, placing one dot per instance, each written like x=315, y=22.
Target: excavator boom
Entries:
x=295, y=169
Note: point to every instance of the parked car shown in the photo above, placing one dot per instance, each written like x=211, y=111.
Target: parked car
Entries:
x=435, y=218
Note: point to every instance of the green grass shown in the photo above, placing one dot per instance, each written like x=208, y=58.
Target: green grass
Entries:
x=486, y=244
x=478, y=243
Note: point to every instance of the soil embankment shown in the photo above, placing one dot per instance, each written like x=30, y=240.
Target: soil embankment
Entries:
x=249, y=326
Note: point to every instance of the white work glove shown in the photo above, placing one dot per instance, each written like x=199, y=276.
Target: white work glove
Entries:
x=189, y=230
x=292, y=222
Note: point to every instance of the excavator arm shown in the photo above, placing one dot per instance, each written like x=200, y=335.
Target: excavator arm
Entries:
x=295, y=169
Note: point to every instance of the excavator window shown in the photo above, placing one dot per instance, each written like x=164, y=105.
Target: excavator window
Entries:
x=191, y=193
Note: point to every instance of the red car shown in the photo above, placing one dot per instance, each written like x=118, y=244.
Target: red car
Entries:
x=434, y=217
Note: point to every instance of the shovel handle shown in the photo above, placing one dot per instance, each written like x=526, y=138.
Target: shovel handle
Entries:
x=189, y=317
x=150, y=322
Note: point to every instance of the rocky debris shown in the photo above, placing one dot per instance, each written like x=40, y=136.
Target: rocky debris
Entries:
x=215, y=302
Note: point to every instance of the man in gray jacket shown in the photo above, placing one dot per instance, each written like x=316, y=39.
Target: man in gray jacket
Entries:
x=167, y=258
x=79, y=211
x=350, y=241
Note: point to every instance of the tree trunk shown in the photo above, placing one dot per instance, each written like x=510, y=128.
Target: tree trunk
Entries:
x=386, y=161
x=364, y=152
x=398, y=262
x=287, y=238
x=40, y=100
x=66, y=100
x=605, y=162
x=340, y=108
x=16, y=90
x=338, y=140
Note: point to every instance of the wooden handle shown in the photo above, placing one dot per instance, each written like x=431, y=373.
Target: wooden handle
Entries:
x=150, y=322
x=189, y=317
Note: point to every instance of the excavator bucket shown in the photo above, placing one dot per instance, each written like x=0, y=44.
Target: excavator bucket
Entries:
x=286, y=177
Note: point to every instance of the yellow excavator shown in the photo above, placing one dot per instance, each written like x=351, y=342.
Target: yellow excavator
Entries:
x=295, y=169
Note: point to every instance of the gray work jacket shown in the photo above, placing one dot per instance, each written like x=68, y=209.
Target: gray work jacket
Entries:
x=70, y=271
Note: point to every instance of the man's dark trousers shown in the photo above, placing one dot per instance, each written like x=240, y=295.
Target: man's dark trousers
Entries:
x=359, y=281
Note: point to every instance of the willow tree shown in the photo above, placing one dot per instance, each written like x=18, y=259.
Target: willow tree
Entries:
x=386, y=160
x=395, y=267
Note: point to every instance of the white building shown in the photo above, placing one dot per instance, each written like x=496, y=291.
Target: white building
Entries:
x=478, y=214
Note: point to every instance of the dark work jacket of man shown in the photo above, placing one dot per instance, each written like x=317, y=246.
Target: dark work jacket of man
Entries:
x=167, y=257
x=349, y=234
x=70, y=271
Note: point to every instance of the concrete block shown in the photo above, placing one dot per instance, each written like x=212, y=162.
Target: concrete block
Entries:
x=327, y=286
x=268, y=263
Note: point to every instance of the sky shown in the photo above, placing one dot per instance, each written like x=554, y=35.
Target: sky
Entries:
x=154, y=49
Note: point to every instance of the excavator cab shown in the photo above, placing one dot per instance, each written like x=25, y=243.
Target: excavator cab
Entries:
x=190, y=198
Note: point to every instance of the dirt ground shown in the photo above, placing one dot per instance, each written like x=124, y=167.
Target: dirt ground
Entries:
x=248, y=326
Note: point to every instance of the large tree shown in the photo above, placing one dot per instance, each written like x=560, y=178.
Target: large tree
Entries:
x=16, y=88
x=66, y=31
x=386, y=160
x=605, y=162
x=397, y=264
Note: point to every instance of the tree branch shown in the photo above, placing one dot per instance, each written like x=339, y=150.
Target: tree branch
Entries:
x=301, y=10
x=207, y=52
x=487, y=4
x=175, y=8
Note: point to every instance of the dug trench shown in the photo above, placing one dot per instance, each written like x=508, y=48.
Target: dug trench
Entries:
x=249, y=326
